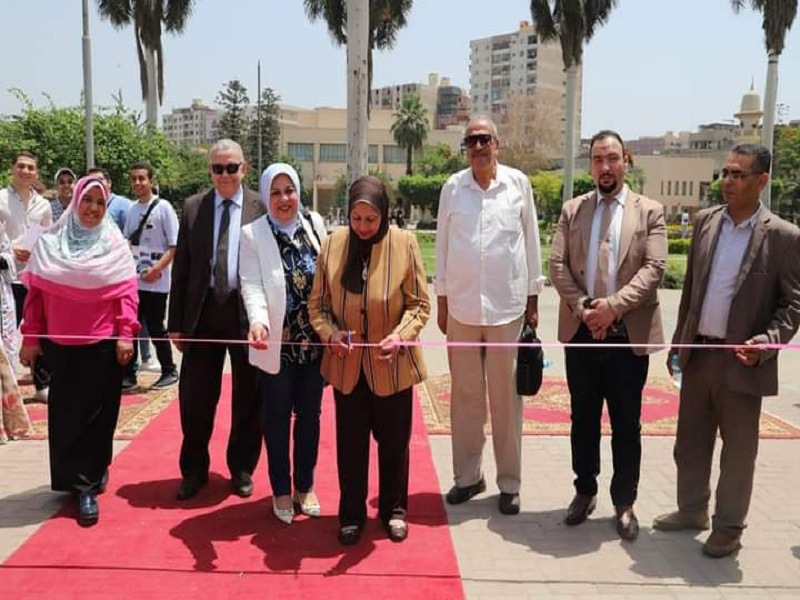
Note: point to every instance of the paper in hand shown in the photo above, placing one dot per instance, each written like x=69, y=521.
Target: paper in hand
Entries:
x=34, y=231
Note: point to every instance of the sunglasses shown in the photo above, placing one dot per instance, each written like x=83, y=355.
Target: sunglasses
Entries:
x=230, y=168
x=471, y=141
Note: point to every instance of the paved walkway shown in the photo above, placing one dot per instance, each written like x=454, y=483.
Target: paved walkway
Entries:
x=533, y=555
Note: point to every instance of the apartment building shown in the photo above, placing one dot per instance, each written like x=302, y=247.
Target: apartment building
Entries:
x=194, y=125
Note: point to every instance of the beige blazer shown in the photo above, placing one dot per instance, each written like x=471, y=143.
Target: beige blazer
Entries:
x=396, y=301
x=641, y=262
x=766, y=302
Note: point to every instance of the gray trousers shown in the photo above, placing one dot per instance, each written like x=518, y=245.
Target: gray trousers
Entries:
x=708, y=405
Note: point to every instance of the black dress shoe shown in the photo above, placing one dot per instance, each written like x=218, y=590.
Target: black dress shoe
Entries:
x=509, y=504
x=458, y=495
x=349, y=535
x=242, y=485
x=88, y=510
x=190, y=486
x=627, y=523
x=580, y=508
x=166, y=380
x=103, y=483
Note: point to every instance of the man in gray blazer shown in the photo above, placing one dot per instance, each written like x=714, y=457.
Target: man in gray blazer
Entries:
x=205, y=303
x=742, y=289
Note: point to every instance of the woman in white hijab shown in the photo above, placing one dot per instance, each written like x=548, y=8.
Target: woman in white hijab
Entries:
x=277, y=264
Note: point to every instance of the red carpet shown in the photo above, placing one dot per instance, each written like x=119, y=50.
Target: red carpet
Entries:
x=148, y=545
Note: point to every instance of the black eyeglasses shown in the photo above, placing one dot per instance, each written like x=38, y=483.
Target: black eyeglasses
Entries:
x=230, y=168
x=736, y=175
x=471, y=141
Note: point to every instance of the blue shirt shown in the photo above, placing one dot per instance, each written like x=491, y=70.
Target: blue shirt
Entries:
x=117, y=208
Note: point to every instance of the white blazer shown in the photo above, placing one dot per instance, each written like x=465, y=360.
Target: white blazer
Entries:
x=263, y=283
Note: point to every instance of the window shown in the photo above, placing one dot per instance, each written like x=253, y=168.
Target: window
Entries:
x=683, y=188
x=302, y=152
x=669, y=188
x=333, y=153
x=662, y=187
x=372, y=152
x=394, y=155
x=691, y=188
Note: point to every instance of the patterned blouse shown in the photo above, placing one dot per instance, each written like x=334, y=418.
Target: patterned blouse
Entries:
x=299, y=267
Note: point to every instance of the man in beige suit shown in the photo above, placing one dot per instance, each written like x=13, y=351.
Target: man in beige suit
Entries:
x=606, y=262
x=742, y=287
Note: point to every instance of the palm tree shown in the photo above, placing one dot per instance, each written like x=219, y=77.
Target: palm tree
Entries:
x=148, y=17
x=778, y=18
x=410, y=127
x=386, y=18
x=572, y=23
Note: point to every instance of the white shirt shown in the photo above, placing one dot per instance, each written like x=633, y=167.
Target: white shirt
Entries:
x=488, y=254
x=160, y=233
x=235, y=213
x=725, y=267
x=614, y=231
x=18, y=218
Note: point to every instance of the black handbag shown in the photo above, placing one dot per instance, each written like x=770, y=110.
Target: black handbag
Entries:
x=530, y=362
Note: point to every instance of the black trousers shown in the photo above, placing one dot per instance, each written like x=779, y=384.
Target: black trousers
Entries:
x=618, y=377
x=152, y=310
x=82, y=411
x=41, y=372
x=388, y=418
x=200, y=386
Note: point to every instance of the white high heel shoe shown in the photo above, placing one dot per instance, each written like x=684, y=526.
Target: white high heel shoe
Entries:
x=284, y=515
x=309, y=504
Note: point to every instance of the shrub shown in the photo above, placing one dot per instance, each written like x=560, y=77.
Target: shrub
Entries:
x=679, y=246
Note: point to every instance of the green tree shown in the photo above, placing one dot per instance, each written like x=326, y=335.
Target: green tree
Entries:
x=572, y=23
x=148, y=17
x=270, y=131
x=410, y=127
x=778, y=16
x=120, y=140
x=440, y=159
x=235, y=123
x=386, y=18
x=547, y=193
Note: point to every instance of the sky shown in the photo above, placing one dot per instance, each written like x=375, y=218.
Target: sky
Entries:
x=655, y=66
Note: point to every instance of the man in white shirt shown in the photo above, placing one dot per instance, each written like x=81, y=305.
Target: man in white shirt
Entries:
x=155, y=222
x=488, y=277
x=22, y=208
x=606, y=263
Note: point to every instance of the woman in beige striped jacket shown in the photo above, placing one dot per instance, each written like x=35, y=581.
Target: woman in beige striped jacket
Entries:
x=370, y=288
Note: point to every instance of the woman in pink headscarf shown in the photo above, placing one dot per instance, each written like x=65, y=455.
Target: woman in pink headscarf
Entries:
x=80, y=313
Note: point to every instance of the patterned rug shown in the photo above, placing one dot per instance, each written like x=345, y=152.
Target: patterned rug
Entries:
x=137, y=410
x=548, y=412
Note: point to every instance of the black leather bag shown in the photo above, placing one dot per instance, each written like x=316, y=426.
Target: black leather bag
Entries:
x=530, y=363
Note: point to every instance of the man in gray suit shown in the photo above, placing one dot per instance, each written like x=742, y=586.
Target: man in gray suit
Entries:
x=205, y=303
x=742, y=289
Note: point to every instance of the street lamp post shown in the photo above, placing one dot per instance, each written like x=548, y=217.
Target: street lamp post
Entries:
x=87, y=87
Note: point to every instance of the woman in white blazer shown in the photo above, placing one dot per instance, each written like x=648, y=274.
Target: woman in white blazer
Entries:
x=277, y=264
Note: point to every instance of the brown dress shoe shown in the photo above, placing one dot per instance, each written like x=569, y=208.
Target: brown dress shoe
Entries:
x=627, y=523
x=721, y=543
x=680, y=521
x=580, y=508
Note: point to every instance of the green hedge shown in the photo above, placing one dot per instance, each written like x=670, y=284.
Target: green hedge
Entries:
x=678, y=246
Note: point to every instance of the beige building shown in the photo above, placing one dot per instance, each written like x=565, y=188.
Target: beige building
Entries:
x=194, y=125
x=317, y=139
x=679, y=183
x=519, y=63
x=447, y=104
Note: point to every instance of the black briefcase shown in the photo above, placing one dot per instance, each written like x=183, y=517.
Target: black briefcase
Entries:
x=530, y=362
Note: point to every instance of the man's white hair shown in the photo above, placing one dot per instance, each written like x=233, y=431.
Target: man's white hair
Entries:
x=225, y=145
x=484, y=119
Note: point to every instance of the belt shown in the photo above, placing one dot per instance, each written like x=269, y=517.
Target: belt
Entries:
x=706, y=339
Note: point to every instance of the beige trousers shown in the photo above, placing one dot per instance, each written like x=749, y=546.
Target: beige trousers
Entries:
x=473, y=370
x=707, y=405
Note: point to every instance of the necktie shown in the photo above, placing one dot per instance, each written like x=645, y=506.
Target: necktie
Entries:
x=221, y=288
x=603, y=253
